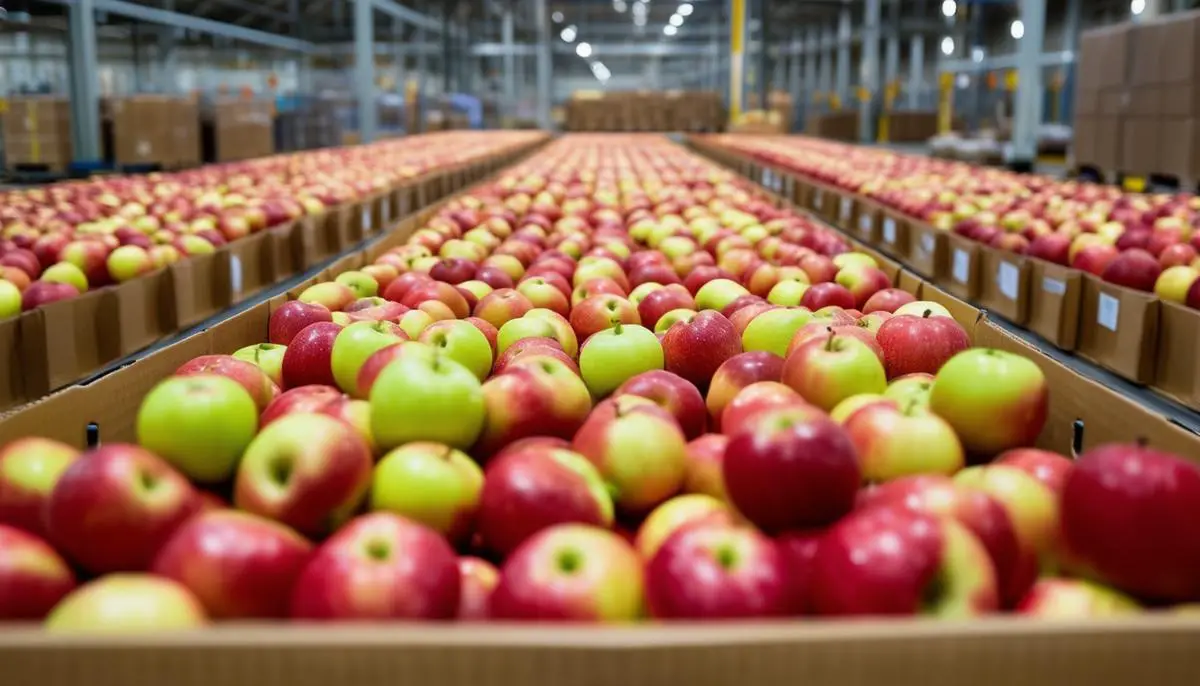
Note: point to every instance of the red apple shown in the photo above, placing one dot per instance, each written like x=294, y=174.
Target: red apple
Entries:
x=478, y=578
x=33, y=578
x=695, y=347
x=29, y=469
x=1135, y=269
x=887, y=300
x=914, y=344
x=674, y=394
x=307, y=360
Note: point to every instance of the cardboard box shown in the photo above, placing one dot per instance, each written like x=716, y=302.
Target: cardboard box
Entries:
x=1140, y=138
x=1114, y=101
x=962, y=276
x=37, y=132
x=1180, y=100
x=1147, y=42
x=1087, y=103
x=926, y=251
x=1083, y=144
x=1180, y=61
x=1145, y=101
x=1109, y=143
x=1118, y=329
x=1004, y=284
x=1177, y=370
x=1056, y=294
x=1178, y=154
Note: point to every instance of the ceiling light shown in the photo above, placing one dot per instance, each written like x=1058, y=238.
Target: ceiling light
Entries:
x=619, y=5
x=568, y=34
x=977, y=54
x=1137, y=7
x=685, y=10
x=639, y=20
x=583, y=50
x=947, y=46
x=639, y=10
x=670, y=30
x=949, y=8
x=675, y=20
x=1017, y=29
x=557, y=17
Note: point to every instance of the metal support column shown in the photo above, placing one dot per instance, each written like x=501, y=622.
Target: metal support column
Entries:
x=85, y=87
x=1028, y=111
x=545, y=64
x=400, y=55
x=510, y=64
x=869, y=75
x=812, y=55
x=842, y=79
x=422, y=71
x=916, y=64
x=737, y=57
x=448, y=67
x=1071, y=44
x=891, y=54
x=764, y=79
x=828, y=45
x=167, y=56
x=364, y=69
x=797, y=79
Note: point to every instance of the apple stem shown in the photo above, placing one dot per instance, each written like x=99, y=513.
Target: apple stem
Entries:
x=829, y=342
x=927, y=314
x=1142, y=441
x=617, y=328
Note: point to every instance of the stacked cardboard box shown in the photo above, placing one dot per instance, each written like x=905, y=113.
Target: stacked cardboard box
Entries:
x=912, y=126
x=645, y=111
x=239, y=129
x=152, y=130
x=37, y=133
x=838, y=126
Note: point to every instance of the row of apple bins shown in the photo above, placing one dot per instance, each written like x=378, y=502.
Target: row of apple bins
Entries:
x=649, y=392
x=93, y=271
x=1110, y=275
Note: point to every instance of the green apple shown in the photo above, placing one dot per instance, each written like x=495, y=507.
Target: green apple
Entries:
x=414, y=322
x=854, y=403
x=828, y=369
x=773, y=330
x=849, y=259
x=922, y=308
x=611, y=357
x=462, y=342
x=514, y=330
x=68, y=273
x=268, y=357
x=995, y=400
x=127, y=603
x=10, y=299
x=680, y=314
x=637, y=294
x=426, y=398
x=718, y=293
x=911, y=390
x=788, y=292
x=894, y=442
x=363, y=285
x=354, y=344
x=200, y=424
x=563, y=333
x=432, y=484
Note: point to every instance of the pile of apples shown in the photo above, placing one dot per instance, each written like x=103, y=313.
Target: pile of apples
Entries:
x=62, y=240
x=612, y=385
x=1147, y=242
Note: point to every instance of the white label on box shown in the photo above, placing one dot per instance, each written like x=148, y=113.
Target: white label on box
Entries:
x=1108, y=312
x=764, y=177
x=817, y=197
x=366, y=219
x=864, y=223
x=235, y=275
x=1053, y=286
x=961, y=270
x=1006, y=278
x=889, y=230
x=927, y=243
x=846, y=209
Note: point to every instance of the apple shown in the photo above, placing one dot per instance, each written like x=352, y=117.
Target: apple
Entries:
x=453, y=270
x=177, y=417
x=1172, y=284
x=1095, y=258
x=111, y=510
x=332, y=295
x=600, y=313
x=820, y=268
x=891, y=561
x=29, y=469
x=695, y=347
x=893, y=442
x=675, y=514
x=501, y=306
x=717, y=570
x=613, y=356
x=862, y=282
x=737, y=373
x=718, y=293
x=477, y=580
x=127, y=603
x=248, y=375
x=913, y=345
x=1031, y=506
x=994, y=400
x=10, y=300
x=308, y=471
x=1051, y=247
x=363, y=285
x=1074, y=599
x=288, y=320
x=563, y=333
x=918, y=308
x=826, y=370
x=664, y=300
x=1136, y=269
x=571, y=572
x=887, y=300
x=542, y=294
x=754, y=398
x=773, y=330
x=431, y=484
x=1049, y=468
x=45, y=292
x=426, y=396
x=531, y=488
x=703, y=470
x=266, y=356
x=308, y=359
x=33, y=578
x=790, y=468
x=379, y=566
x=1125, y=510
x=910, y=390
x=65, y=272
x=827, y=294
x=439, y=292
x=128, y=262
x=462, y=342
x=638, y=448
x=674, y=394
x=669, y=319
x=788, y=292
x=238, y=565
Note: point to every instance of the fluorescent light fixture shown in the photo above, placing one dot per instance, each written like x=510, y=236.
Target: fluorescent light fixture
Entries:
x=639, y=10
x=619, y=5
x=1137, y=7
x=557, y=17
x=675, y=20
x=639, y=20
x=568, y=34
x=949, y=8
x=583, y=50
x=977, y=54
x=685, y=10
x=1017, y=29
x=670, y=30
x=947, y=46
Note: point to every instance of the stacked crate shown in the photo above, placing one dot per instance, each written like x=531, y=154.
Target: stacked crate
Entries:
x=37, y=133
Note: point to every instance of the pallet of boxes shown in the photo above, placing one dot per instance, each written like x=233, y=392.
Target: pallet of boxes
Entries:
x=151, y=131
x=238, y=129
x=1137, y=102
x=37, y=134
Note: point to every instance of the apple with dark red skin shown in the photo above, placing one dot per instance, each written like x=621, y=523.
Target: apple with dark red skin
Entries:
x=1043, y=465
x=238, y=565
x=755, y=398
x=379, y=567
x=653, y=273
x=914, y=344
x=674, y=394
x=702, y=275
x=453, y=270
x=799, y=551
x=291, y=317
x=494, y=276
x=45, y=292
x=888, y=300
x=441, y=292
x=737, y=373
x=1136, y=269
x=1051, y=247
x=717, y=570
x=893, y=561
x=529, y=490
x=29, y=469
x=662, y=301
x=821, y=295
x=791, y=468
x=401, y=285
x=478, y=579
x=536, y=345
x=601, y=312
x=249, y=375
x=33, y=578
x=695, y=347
x=308, y=358
x=114, y=508
x=1128, y=517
